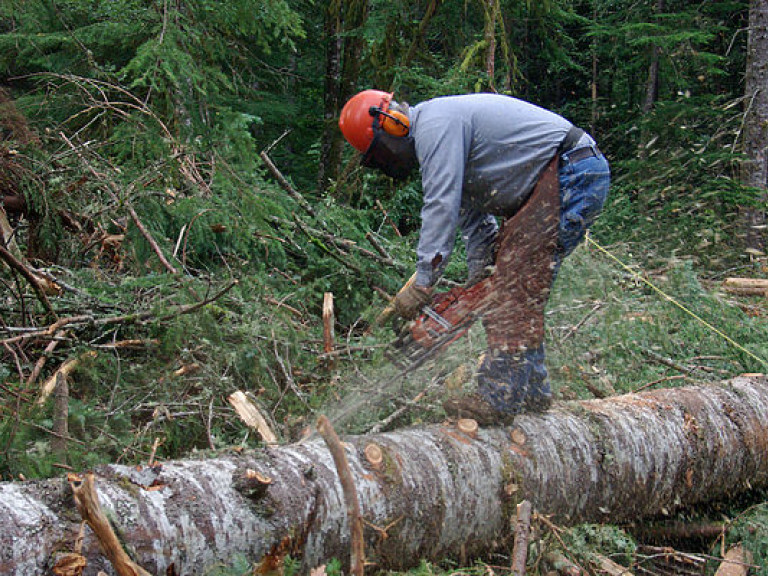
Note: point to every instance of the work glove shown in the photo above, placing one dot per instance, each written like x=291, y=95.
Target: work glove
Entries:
x=410, y=300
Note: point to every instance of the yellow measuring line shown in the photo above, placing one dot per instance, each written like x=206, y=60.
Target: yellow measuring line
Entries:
x=675, y=302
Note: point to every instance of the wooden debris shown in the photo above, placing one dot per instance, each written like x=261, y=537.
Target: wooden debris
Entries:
x=357, y=556
x=64, y=370
x=39, y=285
x=379, y=248
x=186, y=369
x=88, y=319
x=387, y=313
x=522, y=532
x=328, y=322
x=746, y=286
x=60, y=419
x=561, y=565
x=736, y=562
x=295, y=194
x=131, y=343
x=387, y=218
x=155, y=445
x=675, y=531
x=70, y=564
x=87, y=501
x=40, y=364
x=251, y=415
x=280, y=304
x=666, y=561
x=607, y=566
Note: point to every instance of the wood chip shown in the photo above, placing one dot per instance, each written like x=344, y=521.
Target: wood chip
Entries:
x=69, y=565
x=250, y=414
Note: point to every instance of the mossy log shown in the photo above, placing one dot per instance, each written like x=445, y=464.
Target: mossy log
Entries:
x=433, y=492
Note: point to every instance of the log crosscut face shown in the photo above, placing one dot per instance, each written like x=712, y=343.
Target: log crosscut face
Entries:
x=437, y=491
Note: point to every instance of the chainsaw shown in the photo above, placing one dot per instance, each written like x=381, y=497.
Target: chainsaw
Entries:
x=447, y=318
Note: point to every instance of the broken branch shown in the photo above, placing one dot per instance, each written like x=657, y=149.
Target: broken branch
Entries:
x=87, y=501
x=352, y=505
x=522, y=531
x=33, y=280
x=285, y=185
x=112, y=190
x=250, y=414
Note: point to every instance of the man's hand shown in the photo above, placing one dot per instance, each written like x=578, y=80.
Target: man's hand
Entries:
x=411, y=299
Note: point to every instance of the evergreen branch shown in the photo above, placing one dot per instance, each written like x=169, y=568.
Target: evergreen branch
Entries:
x=136, y=318
x=186, y=165
x=285, y=185
x=112, y=190
x=343, y=243
x=15, y=264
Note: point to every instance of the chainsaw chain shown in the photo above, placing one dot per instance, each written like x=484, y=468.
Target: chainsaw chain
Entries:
x=408, y=354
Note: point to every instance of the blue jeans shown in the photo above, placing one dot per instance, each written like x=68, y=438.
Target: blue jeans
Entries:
x=583, y=190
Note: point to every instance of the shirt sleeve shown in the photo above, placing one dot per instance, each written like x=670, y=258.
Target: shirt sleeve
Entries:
x=442, y=146
x=479, y=232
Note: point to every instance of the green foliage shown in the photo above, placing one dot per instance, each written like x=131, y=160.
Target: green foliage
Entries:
x=626, y=326
x=750, y=529
x=675, y=175
x=167, y=106
x=586, y=540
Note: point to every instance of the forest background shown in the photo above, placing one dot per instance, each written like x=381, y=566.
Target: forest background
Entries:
x=179, y=200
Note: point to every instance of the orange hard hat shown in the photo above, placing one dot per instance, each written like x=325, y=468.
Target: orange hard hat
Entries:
x=362, y=110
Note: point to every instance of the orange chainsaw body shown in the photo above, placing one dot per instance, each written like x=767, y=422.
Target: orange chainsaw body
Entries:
x=457, y=310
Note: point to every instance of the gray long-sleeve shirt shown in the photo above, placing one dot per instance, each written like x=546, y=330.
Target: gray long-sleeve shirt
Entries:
x=480, y=155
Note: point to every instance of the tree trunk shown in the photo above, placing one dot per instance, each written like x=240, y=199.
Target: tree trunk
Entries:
x=652, y=84
x=754, y=170
x=491, y=8
x=330, y=142
x=344, y=47
x=433, y=492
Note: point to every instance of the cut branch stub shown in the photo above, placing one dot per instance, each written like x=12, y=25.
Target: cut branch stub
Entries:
x=374, y=456
x=468, y=427
x=518, y=436
x=251, y=483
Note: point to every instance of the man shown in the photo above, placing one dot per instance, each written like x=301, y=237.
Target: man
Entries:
x=484, y=156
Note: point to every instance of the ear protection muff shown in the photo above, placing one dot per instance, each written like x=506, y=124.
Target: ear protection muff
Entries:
x=393, y=123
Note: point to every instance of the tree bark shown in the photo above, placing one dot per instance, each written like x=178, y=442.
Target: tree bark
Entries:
x=754, y=170
x=652, y=84
x=344, y=47
x=330, y=142
x=435, y=492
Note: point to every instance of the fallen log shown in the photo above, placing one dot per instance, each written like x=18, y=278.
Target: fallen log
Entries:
x=435, y=492
x=747, y=286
